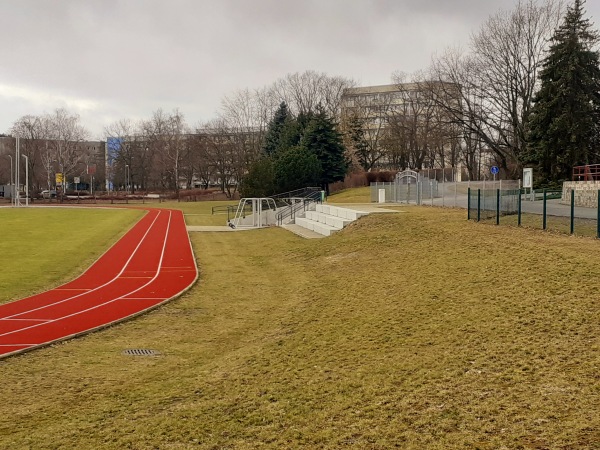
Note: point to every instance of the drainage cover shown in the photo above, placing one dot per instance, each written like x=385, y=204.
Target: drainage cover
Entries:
x=140, y=352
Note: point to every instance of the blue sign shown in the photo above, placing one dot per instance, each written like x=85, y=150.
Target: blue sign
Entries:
x=113, y=146
x=494, y=170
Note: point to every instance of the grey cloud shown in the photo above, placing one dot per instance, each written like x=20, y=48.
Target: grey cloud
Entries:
x=133, y=56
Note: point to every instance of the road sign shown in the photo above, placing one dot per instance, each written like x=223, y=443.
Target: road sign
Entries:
x=59, y=179
x=494, y=170
x=76, y=180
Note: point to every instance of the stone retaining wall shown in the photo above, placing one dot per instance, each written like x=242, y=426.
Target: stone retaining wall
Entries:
x=586, y=193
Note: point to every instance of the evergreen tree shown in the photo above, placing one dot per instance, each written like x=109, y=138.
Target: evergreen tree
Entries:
x=293, y=130
x=296, y=168
x=357, y=140
x=275, y=129
x=563, y=127
x=322, y=139
x=260, y=179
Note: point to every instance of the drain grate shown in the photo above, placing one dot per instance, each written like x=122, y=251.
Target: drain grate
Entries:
x=141, y=352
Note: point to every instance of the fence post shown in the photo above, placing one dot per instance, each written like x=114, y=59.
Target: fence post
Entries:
x=469, y=203
x=519, y=209
x=598, y=217
x=497, y=206
x=478, y=205
x=544, y=221
x=572, y=211
x=431, y=191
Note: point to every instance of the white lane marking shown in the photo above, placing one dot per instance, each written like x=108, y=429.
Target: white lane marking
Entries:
x=101, y=286
x=108, y=302
x=26, y=320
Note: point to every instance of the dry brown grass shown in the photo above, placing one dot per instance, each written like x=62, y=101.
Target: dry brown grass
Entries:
x=416, y=330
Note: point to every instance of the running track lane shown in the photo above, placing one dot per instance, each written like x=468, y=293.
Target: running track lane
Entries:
x=152, y=263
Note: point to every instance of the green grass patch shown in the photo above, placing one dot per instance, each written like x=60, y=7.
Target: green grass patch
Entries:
x=199, y=213
x=353, y=195
x=414, y=330
x=42, y=247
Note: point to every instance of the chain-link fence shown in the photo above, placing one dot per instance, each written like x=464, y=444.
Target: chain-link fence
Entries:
x=415, y=192
x=408, y=187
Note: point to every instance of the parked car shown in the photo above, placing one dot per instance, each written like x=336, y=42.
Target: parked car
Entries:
x=49, y=194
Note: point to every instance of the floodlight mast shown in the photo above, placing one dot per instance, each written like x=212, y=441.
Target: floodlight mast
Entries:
x=17, y=169
x=11, y=180
x=26, y=180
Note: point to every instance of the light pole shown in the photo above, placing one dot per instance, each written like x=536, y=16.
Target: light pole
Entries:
x=17, y=170
x=26, y=180
x=127, y=178
x=10, y=184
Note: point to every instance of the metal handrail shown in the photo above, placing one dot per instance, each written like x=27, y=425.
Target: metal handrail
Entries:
x=304, y=192
x=292, y=209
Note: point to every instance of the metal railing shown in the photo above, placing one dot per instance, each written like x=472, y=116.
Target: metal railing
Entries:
x=563, y=215
x=589, y=172
x=298, y=193
x=297, y=201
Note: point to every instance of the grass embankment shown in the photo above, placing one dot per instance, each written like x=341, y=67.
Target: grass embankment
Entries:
x=42, y=247
x=416, y=330
x=354, y=195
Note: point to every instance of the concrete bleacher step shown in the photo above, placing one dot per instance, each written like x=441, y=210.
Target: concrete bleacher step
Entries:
x=328, y=219
x=317, y=227
x=302, y=232
x=338, y=211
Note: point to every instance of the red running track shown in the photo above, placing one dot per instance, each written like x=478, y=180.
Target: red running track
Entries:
x=149, y=265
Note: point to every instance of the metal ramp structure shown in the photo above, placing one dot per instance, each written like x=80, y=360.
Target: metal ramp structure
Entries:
x=280, y=209
x=254, y=212
x=301, y=211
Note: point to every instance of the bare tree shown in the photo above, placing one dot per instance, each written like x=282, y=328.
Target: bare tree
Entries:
x=498, y=77
x=224, y=154
x=302, y=92
x=245, y=115
x=133, y=160
x=54, y=141
x=33, y=132
x=371, y=114
x=165, y=136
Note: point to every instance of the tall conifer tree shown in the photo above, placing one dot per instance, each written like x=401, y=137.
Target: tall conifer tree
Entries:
x=275, y=129
x=321, y=138
x=564, y=125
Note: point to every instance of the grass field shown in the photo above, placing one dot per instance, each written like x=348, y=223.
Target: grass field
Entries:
x=41, y=247
x=414, y=330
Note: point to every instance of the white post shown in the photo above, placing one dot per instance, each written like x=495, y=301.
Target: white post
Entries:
x=17, y=169
x=431, y=191
x=26, y=180
x=11, y=184
x=454, y=178
x=443, y=187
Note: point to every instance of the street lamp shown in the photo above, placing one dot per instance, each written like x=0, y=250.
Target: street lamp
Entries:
x=26, y=180
x=17, y=171
x=10, y=184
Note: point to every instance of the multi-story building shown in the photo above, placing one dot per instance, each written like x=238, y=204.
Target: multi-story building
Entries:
x=403, y=125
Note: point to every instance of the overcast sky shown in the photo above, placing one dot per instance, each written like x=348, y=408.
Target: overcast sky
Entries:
x=113, y=59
